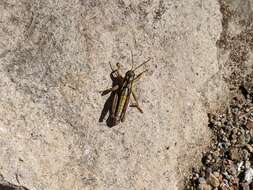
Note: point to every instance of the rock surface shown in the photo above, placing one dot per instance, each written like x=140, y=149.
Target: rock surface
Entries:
x=54, y=59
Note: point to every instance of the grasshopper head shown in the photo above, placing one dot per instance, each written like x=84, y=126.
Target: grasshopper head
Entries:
x=130, y=75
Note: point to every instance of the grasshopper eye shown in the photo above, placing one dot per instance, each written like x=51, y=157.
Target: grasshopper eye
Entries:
x=130, y=74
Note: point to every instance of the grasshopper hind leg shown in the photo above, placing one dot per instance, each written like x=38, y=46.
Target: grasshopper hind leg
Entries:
x=113, y=119
x=123, y=114
x=123, y=117
x=114, y=105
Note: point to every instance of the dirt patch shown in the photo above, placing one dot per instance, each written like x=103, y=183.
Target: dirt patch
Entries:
x=227, y=163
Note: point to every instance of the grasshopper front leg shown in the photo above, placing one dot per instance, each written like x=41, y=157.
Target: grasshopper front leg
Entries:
x=116, y=76
x=104, y=92
x=116, y=73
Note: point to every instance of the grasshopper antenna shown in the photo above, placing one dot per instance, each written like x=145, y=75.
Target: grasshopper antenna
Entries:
x=132, y=59
x=142, y=64
x=110, y=65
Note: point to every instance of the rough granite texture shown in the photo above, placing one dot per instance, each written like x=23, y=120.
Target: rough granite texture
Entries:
x=54, y=58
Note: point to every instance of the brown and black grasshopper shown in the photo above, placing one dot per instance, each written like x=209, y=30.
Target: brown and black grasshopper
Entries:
x=121, y=90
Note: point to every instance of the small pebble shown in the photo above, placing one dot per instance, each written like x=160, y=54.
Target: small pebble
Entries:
x=234, y=154
x=247, y=165
x=245, y=186
x=202, y=180
x=249, y=148
x=248, y=175
x=249, y=124
x=204, y=187
x=213, y=181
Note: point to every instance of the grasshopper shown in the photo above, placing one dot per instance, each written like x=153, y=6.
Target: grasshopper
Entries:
x=122, y=92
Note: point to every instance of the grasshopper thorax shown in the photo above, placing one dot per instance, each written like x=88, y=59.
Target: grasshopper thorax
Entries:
x=130, y=75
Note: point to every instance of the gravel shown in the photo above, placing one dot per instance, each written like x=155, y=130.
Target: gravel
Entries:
x=227, y=164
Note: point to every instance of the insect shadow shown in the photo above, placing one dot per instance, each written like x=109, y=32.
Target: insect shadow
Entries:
x=116, y=80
